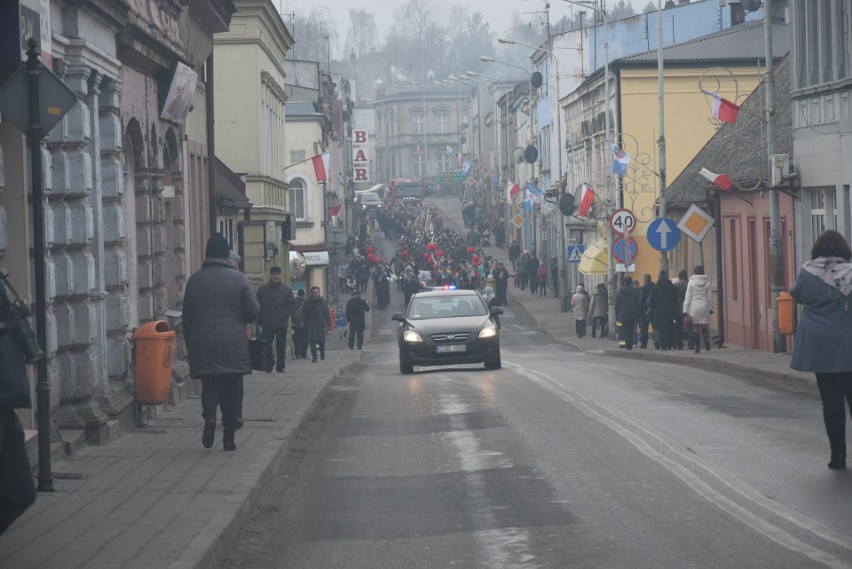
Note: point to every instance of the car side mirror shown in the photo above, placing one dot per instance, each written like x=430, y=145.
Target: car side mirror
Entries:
x=398, y=316
x=496, y=310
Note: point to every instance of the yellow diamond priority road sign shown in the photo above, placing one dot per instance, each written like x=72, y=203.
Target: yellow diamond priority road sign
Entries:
x=518, y=220
x=696, y=223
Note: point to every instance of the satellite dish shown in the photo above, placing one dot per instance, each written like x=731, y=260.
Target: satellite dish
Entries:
x=530, y=154
x=751, y=5
x=536, y=80
x=518, y=154
x=567, y=205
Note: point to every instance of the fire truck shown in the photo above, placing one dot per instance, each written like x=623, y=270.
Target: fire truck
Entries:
x=408, y=191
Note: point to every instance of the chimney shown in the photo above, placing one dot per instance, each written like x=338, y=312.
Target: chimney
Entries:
x=737, y=14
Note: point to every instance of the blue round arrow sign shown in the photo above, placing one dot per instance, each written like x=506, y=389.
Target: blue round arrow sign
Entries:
x=663, y=234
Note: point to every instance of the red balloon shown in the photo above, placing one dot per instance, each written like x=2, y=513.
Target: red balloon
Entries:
x=405, y=253
x=426, y=255
x=370, y=249
x=371, y=258
x=431, y=246
x=475, y=262
x=470, y=249
x=476, y=259
x=440, y=253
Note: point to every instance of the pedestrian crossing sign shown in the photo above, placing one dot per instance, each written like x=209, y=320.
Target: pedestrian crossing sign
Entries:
x=575, y=253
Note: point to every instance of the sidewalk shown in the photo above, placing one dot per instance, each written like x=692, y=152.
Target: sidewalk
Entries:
x=156, y=498
x=546, y=313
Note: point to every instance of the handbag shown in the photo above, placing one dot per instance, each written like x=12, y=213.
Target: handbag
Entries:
x=255, y=350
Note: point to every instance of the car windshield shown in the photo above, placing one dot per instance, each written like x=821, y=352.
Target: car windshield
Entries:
x=445, y=307
x=370, y=198
x=407, y=191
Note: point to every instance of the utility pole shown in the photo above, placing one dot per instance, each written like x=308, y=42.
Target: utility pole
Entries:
x=664, y=257
x=776, y=249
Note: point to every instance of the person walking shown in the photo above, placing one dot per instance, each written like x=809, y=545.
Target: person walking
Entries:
x=356, y=314
x=824, y=333
x=410, y=284
x=501, y=283
x=664, y=308
x=599, y=311
x=218, y=303
x=277, y=302
x=300, y=338
x=532, y=267
x=317, y=321
x=680, y=329
x=698, y=305
x=491, y=301
x=645, y=305
x=521, y=269
x=541, y=278
x=627, y=311
x=17, y=489
x=580, y=306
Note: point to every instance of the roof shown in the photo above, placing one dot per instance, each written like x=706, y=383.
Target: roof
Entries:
x=743, y=42
x=294, y=108
x=229, y=186
x=739, y=149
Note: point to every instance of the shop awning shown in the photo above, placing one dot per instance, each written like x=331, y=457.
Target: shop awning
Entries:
x=595, y=259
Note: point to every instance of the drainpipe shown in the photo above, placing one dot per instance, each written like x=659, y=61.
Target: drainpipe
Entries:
x=211, y=146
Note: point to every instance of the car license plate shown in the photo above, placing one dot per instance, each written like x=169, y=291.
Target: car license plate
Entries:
x=451, y=348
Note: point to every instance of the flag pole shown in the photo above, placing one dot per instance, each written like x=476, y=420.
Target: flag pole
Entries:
x=664, y=256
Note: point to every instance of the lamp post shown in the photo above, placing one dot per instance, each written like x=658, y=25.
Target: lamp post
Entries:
x=560, y=257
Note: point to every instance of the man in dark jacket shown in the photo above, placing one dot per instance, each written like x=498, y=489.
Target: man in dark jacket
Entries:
x=17, y=490
x=514, y=252
x=356, y=314
x=300, y=338
x=317, y=321
x=664, y=308
x=645, y=309
x=217, y=305
x=277, y=302
x=627, y=311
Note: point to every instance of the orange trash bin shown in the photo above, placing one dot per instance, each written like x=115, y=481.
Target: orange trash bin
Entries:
x=786, y=307
x=154, y=352
x=331, y=312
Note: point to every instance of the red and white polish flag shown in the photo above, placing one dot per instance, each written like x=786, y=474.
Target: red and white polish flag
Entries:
x=586, y=199
x=320, y=162
x=723, y=109
x=720, y=180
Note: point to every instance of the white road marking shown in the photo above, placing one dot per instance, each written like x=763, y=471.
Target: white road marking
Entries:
x=587, y=406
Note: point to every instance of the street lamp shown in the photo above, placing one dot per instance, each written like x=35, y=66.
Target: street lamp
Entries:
x=560, y=257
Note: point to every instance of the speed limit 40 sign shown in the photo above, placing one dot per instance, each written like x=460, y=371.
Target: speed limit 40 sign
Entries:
x=622, y=221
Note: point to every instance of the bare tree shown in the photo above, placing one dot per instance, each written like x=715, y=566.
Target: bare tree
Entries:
x=363, y=34
x=417, y=42
x=651, y=6
x=621, y=9
x=315, y=35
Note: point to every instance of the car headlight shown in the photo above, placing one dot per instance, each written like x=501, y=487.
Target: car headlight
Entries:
x=488, y=332
x=411, y=336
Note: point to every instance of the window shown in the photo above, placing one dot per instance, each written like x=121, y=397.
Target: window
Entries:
x=817, y=214
x=821, y=43
x=443, y=162
x=544, y=149
x=418, y=165
x=419, y=120
x=734, y=262
x=297, y=156
x=443, y=119
x=296, y=199
x=465, y=117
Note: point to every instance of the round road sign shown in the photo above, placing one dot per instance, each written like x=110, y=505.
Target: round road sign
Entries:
x=619, y=248
x=622, y=221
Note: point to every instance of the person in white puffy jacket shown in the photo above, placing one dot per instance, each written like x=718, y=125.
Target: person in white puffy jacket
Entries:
x=697, y=305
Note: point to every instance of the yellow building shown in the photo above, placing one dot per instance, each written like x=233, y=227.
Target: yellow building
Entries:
x=250, y=115
x=729, y=63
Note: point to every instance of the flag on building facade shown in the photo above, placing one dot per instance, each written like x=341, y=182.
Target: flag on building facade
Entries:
x=723, y=109
x=320, y=162
x=461, y=159
x=585, y=197
x=531, y=188
x=466, y=166
x=511, y=191
x=620, y=161
x=720, y=180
